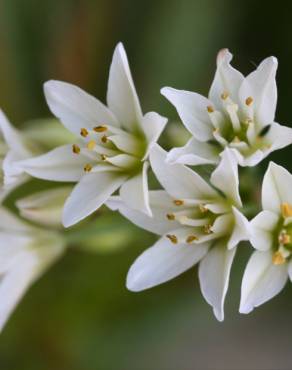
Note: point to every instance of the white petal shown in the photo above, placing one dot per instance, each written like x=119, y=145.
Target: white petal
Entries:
x=241, y=230
x=13, y=173
x=89, y=194
x=261, y=86
x=76, y=108
x=192, y=109
x=251, y=160
x=262, y=280
x=163, y=262
x=9, y=222
x=290, y=270
x=276, y=188
x=214, y=273
x=161, y=205
x=227, y=79
x=60, y=164
x=122, y=98
x=178, y=180
x=225, y=176
x=27, y=268
x=279, y=136
x=262, y=227
x=152, y=124
x=126, y=143
x=44, y=207
x=134, y=192
x=12, y=136
x=194, y=153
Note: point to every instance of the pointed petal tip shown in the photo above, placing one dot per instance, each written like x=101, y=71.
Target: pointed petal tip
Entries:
x=224, y=54
x=219, y=314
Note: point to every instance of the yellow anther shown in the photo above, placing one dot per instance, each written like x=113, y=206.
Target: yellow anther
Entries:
x=278, y=258
x=191, y=238
x=170, y=216
x=207, y=229
x=104, y=139
x=286, y=210
x=284, y=238
x=172, y=238
x=224, y=95
x=75, y=149
x=210, y=109
x=100, y=128
x=178, y=202
x=91, y=145
x=216, y=130
x=83, y=132
x=88, y=167
x=203, y=208
x=249, y=101
x=103, y=157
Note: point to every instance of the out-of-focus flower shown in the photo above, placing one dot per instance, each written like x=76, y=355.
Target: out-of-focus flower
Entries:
x=12, y=149
x=114, y=145
x=271, y=234
x=198, y=222
x=25, y=253
x=238, y=114
x=45, y=207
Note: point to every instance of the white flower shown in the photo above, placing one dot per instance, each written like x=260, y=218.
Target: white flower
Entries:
x=198, y=222
x=114, y=146
x=12, y=149
x=271, y=234
x=238, y=114
x=25, y=253
x=45, y=207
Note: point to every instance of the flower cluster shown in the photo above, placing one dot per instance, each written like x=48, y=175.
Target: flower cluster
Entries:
x=198, y=219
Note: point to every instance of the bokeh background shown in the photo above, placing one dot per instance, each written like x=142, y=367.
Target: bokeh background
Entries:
x=79, y=316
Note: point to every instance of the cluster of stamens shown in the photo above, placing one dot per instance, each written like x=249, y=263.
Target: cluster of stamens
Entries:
x=185, y=218
x=284, y=239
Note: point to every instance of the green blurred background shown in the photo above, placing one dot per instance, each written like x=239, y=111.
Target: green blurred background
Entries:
x=80, y=316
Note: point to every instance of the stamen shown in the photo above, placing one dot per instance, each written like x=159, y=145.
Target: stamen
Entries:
x=191, y=238
x=75, y=149
x=91, y=145
x=103, y=157
x=178, y=202
x=172, y=238
x=100, y=128
x=236, y=140
x=203, y=208
x=249, y=101
x=88, y=167
x=284, y=238
x=83, y=132
x=224, y=95
x=104, y=139
x=232, y=110
x=210, y=109
x=170, y=216
x=207, y=229
x=286, y=210
x=278, y=258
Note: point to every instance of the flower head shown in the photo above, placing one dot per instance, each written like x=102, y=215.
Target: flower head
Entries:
x=26, y=252
x=12, y=149
x=112, y=147
x=271, y=235
x=239, y=114
x=197, y=222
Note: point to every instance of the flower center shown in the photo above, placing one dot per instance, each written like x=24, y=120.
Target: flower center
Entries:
x=283, y=236
x=236, y=128
x=110, y=146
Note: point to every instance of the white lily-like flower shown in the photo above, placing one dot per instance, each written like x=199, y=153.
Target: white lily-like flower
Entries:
x=12, y=149
x=238, y=114
x=197, y=222
x=114, y=146
x=271, y=235
x=25, y=253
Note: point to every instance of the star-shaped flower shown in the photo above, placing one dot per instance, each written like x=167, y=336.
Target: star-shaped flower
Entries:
x=113, y=148
x=238, y=114
x=26, y=252
x=271, y=234
x=12, y=149
x=197, y=222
